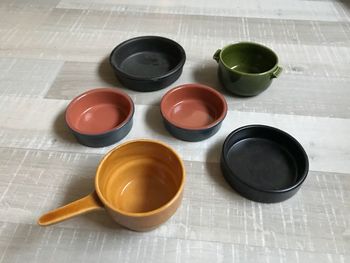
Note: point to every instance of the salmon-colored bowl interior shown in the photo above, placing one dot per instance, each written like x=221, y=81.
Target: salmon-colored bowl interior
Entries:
x=193, y=107
x=140, y=177
x=99, y=111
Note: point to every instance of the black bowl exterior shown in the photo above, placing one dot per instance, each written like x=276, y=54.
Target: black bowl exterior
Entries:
x=147, y=85
x=252, y=193
x=191, y=135
x=278, y=137
x=166, y=47
x=105, y=139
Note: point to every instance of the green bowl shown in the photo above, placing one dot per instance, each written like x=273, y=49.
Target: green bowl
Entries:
x=247, y=68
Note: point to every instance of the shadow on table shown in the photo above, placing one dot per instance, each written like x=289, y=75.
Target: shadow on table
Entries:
x=81, y=186
x=61, y=129
x=106, y=73
x=154, y=120
x=207, y=75
x=214, y=170
x=344, y=3
x=28, y=238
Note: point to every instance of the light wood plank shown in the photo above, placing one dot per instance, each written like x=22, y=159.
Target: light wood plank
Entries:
x=323, y=96
x=327, y=147
x=68, y=245
x=303, y=10
x=315, y=220
x=78, y=35
x=52, y=50
x=27, y=77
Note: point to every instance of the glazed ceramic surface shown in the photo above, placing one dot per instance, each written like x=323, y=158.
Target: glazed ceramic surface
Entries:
x=140, y=183
x=246, y=68
x=263, y=163
x=53, y=50
x=148, y=63
x=100, y=117
x=193, y=112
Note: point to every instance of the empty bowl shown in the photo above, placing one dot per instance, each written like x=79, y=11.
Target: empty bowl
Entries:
x=193, y=112
x=148, y=63
x=264, y=164
x=247, y=68
x=100, y=117
x=139, y=183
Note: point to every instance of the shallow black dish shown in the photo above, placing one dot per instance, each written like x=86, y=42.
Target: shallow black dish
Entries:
x=148, y=63
x=264, y=164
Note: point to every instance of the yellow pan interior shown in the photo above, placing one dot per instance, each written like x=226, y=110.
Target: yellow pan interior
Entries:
x=139, y=177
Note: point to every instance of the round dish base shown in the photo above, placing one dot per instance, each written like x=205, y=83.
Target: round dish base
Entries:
x=193, y=113
x=263, y=164
x=147, y=64
x=100, y=118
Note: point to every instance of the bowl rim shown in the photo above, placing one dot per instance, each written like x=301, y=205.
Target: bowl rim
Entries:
x=158, y=210
x=199, y=87
x=94, y=91
x=141, y=38
x=273, y=129
x=255, y=44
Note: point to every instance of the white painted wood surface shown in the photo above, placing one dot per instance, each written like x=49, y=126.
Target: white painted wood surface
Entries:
x=52, y=50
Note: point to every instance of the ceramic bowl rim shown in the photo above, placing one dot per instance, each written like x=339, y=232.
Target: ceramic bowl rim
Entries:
x=179, y=65
x=199, y=87
x=92, y=92
x=271, y=70
x=273, y=129
x=158, y=210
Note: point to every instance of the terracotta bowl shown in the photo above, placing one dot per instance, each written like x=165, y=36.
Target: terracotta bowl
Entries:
x=193, y=112
x=100, y=117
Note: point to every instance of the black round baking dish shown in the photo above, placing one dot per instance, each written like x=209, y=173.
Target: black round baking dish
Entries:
x=264, y=164
x=148, y=63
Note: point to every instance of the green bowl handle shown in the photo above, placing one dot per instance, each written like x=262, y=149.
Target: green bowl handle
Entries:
x=277, y=72
x=216, y=55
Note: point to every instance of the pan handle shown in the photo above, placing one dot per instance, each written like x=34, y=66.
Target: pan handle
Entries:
x=86, y=204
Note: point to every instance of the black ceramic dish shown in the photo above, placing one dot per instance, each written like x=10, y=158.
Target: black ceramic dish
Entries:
x=148, y=63
x=263, y=163
x=100, y=117
x=193, y=112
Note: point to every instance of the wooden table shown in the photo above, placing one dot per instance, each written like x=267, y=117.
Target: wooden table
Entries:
x=52, y=50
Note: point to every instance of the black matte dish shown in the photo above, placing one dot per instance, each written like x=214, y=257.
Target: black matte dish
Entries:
x=264, y=164
x=148, y=63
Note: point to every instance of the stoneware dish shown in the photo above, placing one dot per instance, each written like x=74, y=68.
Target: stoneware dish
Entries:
x=139, y=183
x=263, y=163
x=148, y=63
x=100, y=117
x=193, y=112
x=247, y=68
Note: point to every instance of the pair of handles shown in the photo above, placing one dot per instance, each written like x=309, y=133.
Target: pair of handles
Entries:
x=86, y=204
x=274, y=73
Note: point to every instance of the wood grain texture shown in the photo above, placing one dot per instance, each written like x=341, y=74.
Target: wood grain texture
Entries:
x=320, y=10
x=46, y=130
x=52, y=50
x=27, y=77
x=210, y=212
x=323, y=96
